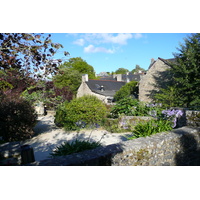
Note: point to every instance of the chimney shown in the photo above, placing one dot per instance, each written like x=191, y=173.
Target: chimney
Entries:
x=127, y=79
x=85, y=78
x=102, y=88
x=152, y=60
x=119, y=77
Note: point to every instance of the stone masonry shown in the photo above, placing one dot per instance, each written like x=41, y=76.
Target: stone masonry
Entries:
x=147, y=82
x=180, y=147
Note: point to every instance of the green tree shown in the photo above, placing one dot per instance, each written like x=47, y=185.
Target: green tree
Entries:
x=79, y=65
x=137, y=69
x=167, y=96
x=182, y=81
x=68, y=78
x=186, y=72
x=121, y=71
x=129, y=89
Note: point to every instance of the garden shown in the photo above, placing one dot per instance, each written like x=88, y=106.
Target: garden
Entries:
x=127, y=115
x=29, y=73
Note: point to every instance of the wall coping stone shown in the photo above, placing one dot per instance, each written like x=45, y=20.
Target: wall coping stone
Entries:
x=103, y=156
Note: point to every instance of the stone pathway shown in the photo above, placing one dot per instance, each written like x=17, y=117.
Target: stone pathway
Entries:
x=49, y=136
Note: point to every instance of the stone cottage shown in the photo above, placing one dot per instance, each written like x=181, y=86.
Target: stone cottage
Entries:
x=102, y=89
x=156, y=71
x=106, y=87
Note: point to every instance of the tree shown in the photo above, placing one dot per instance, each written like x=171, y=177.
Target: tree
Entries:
x=13, y=82
x=129, y=89
x=186, y=71
x=137, y=69
x=183, y=85
x=47, y=92
x=79, y=65
x=121, y=71
x=30, y=52
x=68, y=78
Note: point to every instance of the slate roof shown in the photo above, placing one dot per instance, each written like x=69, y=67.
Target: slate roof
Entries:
x=131, y=77
x=168, y=61
x=109, y=86
x=108, y=78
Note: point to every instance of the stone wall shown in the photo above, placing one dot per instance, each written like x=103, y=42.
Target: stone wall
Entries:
x=148, y=81
x=178, y=147
x=85, y=90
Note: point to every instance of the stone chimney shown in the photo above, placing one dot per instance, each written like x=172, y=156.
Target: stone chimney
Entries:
x=152, y=60
x=119, y=77
x=85, y=78
x=127, y=79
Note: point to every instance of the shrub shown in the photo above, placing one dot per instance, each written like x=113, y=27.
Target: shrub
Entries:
x=133, y=107
x=89, y=109
x=17, y=119
x=150, y=128
x=124, y=106
x=74, y=147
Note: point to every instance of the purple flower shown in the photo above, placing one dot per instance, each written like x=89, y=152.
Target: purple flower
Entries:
x=174, y=121
x=179, y=113
x=172, y=115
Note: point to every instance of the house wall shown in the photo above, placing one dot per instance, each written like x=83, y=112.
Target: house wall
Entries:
x=85, y=90
x=146, y=84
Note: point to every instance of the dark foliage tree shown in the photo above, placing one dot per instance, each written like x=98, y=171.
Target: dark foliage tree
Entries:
x=47, y=92
x=14, y=82
x=17, y=119
x=31, y=52
x=55, y=96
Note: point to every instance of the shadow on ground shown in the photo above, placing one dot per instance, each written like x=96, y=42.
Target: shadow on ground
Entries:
x=190, y=150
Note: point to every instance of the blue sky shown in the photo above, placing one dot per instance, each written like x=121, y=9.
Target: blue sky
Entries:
x=110, y=51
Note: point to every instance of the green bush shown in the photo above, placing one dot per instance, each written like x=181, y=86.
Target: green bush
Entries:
x=74, y=147
x=133, y=107
x=124, y=106
x=129, y=89
x=88, y=109
x=17, y=119
x=150, y=128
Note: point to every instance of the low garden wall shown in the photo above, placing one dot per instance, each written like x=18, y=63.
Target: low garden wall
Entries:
x=178, y=147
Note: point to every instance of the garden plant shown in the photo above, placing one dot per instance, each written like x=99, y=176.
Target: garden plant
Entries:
x=88, y=108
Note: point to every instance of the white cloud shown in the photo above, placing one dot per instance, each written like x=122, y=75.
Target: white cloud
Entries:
x=120, y=38
x=102, y=38
x=138, y=35
x=79, y=42
x=99, y=38
x=92, y=49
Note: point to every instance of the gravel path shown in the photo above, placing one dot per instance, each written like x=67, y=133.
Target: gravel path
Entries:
x=49, y=136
